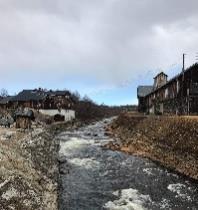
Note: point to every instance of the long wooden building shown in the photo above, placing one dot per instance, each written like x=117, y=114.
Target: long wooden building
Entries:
x=178, y=95
x=39, y=99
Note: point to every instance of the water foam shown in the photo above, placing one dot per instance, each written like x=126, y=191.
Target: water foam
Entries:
x=129, y=199
x=180, y=190
x=73, y=144
x=87, y=163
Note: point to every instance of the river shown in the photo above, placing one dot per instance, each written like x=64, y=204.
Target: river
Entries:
x=95, y=178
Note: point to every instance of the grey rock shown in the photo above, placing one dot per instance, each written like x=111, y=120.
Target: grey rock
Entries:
x=62, y=160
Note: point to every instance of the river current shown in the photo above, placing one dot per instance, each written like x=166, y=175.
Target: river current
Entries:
x=95, y=178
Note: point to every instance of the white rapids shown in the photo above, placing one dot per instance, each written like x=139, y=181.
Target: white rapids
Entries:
x=129, y=199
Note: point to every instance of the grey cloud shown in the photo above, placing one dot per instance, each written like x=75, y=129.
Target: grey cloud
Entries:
x=110, y=40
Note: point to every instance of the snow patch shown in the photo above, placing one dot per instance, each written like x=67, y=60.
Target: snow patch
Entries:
x=11, y=193
x=130, y=199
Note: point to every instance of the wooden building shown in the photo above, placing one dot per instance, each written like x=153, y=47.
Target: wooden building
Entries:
x=28, y=99
x=176, y=96
x=142, y=91
x=46, y=102
x=5, y=102
x=41, y=99
x=59, y=99
x=24, y=119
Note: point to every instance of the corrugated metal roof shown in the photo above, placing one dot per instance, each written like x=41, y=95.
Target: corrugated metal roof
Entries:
x=142, y=91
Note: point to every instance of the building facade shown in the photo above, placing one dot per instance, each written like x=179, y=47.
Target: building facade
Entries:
x=176, y=96
x=39, y=99
x=46, y=102
x=142, y=92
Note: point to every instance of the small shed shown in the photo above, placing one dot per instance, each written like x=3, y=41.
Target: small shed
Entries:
x=24, y=119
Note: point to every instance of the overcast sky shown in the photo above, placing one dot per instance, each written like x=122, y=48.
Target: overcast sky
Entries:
x=104, y=48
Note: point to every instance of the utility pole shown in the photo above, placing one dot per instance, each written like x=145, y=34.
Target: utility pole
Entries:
x=183, y=62
x=182, y=93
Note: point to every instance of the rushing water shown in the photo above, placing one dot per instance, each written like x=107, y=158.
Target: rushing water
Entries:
x=97, y=179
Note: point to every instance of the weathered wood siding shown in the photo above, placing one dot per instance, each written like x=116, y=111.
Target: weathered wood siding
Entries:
x=178, y=96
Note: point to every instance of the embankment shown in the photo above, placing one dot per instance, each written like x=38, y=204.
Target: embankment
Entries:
x=29, y=167
x=28, y=170
x=171, y=141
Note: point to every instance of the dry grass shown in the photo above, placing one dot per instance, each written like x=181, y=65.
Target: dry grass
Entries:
x=172, y=141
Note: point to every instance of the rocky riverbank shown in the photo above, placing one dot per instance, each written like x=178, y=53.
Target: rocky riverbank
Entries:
x=29, y=166
x=28, y=170
x=171, y=141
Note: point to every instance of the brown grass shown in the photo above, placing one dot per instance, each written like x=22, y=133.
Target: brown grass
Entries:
x=172, y=141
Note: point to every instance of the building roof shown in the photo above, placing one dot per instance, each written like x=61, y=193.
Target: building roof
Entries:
x=38, y=94
x=24, y=113
x=174, y=78
x=58, y=93
x=5, y=100
x=29, y=95
x=142, y=91
x=161, y=73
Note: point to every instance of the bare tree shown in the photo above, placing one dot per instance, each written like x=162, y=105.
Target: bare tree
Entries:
x=76, y=96
x=87, y=99
x=3, y=92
